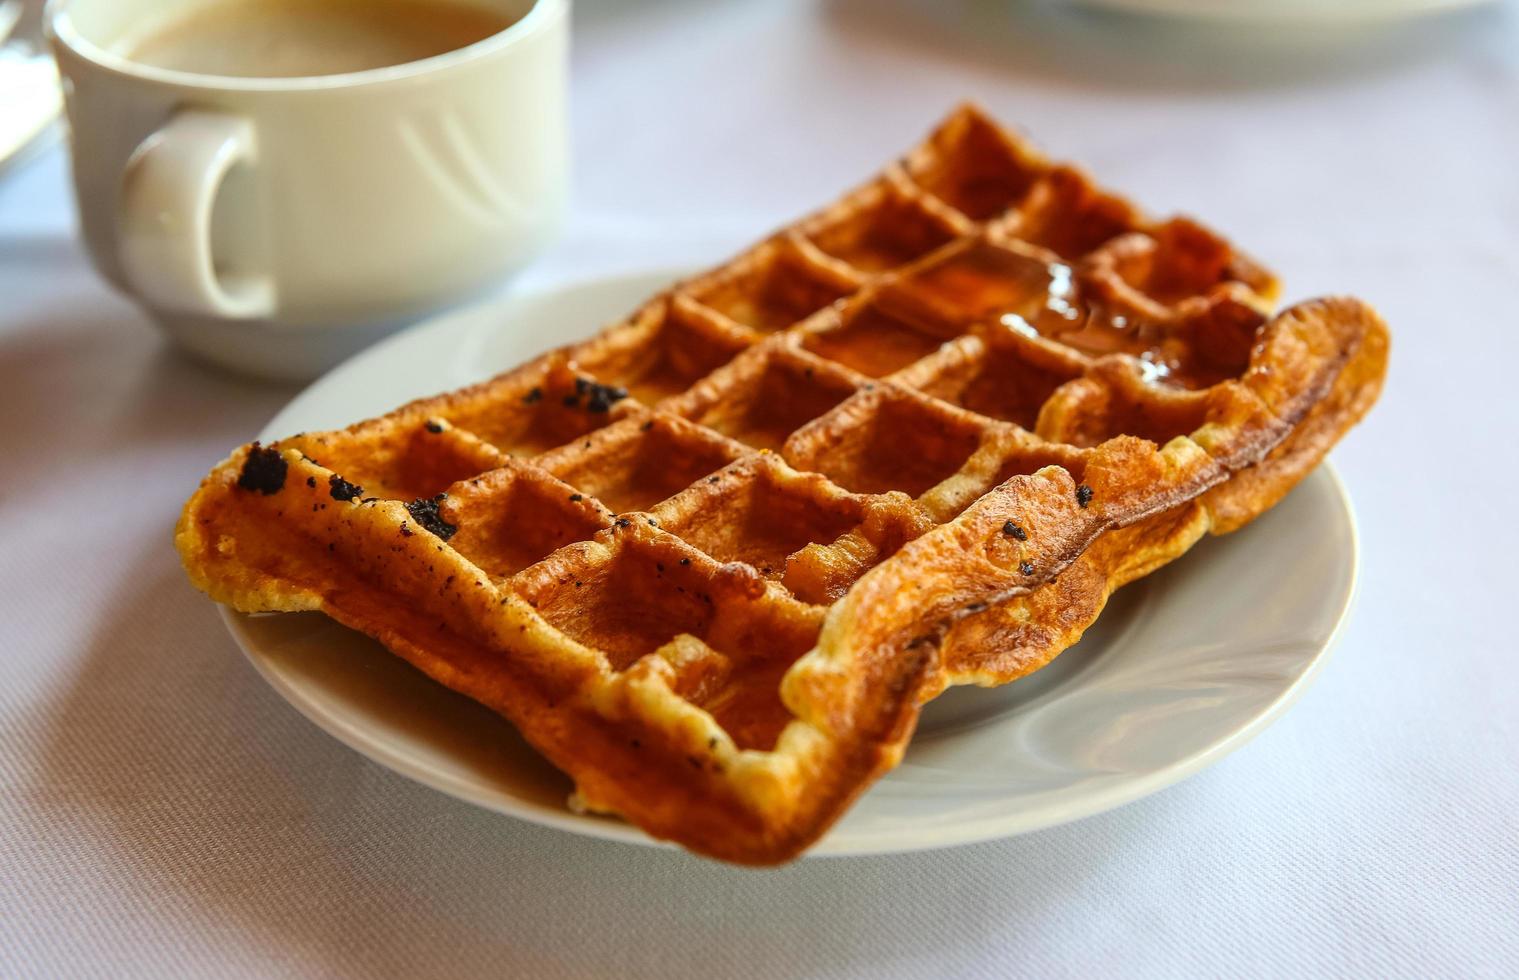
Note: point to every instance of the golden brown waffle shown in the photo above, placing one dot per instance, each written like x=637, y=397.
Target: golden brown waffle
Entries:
x=711, y=561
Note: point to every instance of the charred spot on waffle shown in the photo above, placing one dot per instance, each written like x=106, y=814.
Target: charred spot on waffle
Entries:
x=598, y=397
x=424, y=510
x=311, y=482
x=603, y=397
x=1026, y=567
x=264, y=470
x=535, y=395
x=1083, y=495
x=433, y=426
x=575, y=498
x=1015, y=530
x=341, y=489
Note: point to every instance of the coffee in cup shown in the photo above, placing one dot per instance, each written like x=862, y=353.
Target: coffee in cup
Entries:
x=303, y=38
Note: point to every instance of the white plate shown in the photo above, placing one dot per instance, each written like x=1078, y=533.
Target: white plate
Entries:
x=1315, y=12
x=1183, y=667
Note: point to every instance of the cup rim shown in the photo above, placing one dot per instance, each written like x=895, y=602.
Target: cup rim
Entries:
x=61, y=30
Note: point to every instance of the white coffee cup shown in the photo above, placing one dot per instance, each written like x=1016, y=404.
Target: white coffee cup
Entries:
x=276, y=225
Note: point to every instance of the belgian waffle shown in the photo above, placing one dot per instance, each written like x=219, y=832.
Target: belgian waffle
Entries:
x=711, y=561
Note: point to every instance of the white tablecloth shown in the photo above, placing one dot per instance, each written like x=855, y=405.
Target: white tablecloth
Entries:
x=163, y=812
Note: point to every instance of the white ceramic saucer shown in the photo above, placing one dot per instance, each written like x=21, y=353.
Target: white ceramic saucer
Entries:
x=1182, y=668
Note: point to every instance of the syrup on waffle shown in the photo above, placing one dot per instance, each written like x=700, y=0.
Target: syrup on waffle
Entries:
x=711, y=561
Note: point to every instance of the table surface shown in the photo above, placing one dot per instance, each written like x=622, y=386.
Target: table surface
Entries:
x=163, y=812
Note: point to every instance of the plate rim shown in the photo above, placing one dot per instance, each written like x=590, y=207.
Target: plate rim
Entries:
x=1055, y=812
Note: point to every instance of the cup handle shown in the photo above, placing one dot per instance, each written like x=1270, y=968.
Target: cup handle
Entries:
x=164, y=226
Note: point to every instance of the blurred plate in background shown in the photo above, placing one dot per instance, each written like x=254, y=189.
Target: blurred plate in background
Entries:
x=1288, y=11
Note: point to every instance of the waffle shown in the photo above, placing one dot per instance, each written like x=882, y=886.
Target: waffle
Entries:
x=711, y=561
